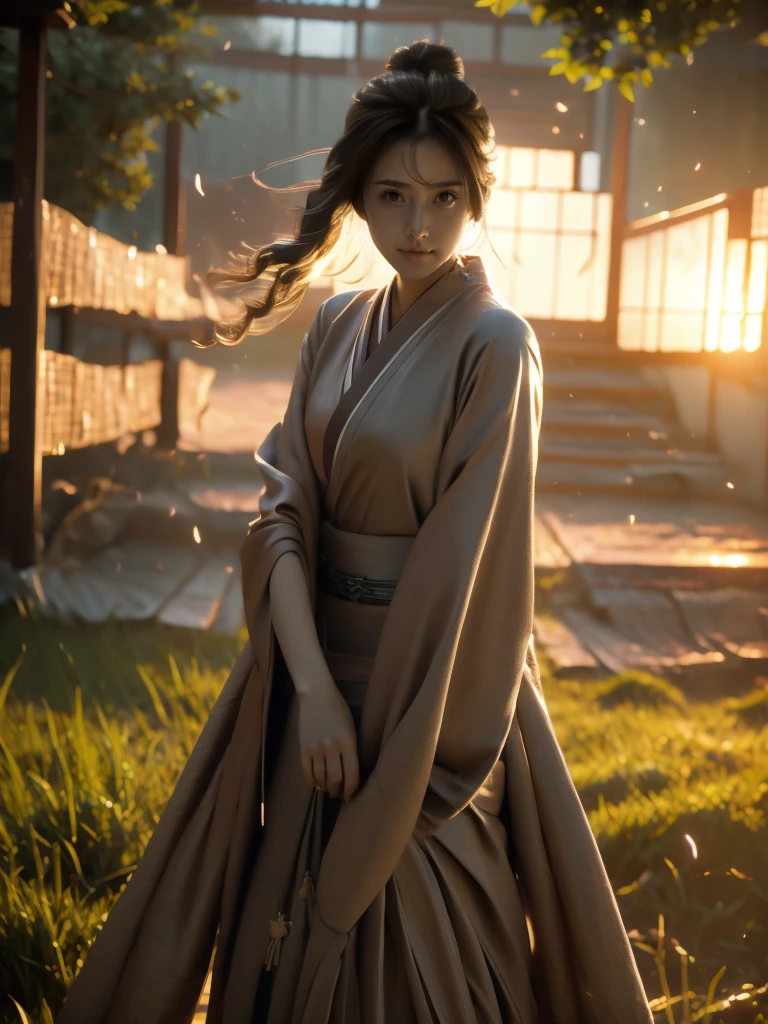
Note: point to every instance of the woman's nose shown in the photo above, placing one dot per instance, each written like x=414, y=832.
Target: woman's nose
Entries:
x=417, y=223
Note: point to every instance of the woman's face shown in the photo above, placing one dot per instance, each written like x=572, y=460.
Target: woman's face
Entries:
x=405, y=215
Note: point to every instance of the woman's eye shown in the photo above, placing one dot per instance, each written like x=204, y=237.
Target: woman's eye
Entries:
x=452, y=197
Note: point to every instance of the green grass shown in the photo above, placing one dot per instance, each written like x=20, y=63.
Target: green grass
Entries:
x=97, y=723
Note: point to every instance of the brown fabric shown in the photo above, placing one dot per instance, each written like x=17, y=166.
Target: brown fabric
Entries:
x=414, y=321
x=420, y=891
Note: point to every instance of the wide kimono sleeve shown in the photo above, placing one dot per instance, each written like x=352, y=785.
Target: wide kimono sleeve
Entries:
x=452, y=652
x=289, y=506
x=151, y=957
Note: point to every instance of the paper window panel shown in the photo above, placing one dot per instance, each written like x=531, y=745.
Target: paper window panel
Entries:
x=685, y=272
x=379, y=39
x=503, y=208
x=533, y=275
x=718, y=241
x=331, y=39
x=681, y=330
x=539, y=210
x=753, y=330
x=556, y=169
x=500, y=166
x=521, y=167
x=632, y=329
x=601, y=266
x=473, y=39
x=578, y=211
x=758, y=276
x=573, y=281
x=760, y=213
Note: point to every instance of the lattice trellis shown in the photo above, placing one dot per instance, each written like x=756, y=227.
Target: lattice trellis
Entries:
x=85, y=403
x=86, y=268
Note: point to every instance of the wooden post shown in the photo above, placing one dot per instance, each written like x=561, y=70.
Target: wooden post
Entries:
x=622, y=119
x=173, y=240
x=168, y=428
x=28, y=302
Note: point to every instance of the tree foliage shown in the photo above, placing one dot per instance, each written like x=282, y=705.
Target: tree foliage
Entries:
x=114, y=77
x=624, y=41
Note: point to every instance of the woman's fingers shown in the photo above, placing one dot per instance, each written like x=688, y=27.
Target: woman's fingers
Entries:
x=333, y=773
x=318, y=771
x=351, y=773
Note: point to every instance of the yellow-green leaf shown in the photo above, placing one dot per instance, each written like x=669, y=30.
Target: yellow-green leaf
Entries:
x=625, y=88
x=646, y=77
x=607, y=74
x=556, y=53
x=558, y=69
x=538, y=14
x=762, y=39
x=595, y=82
x=574, y=72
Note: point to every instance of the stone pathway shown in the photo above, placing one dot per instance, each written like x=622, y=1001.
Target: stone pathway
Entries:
x=667, y=567
x=662, y=565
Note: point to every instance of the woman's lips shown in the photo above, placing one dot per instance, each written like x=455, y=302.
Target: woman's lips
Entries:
x=413, y=255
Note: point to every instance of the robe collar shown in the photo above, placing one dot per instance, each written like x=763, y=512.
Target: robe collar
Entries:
x=361, y=373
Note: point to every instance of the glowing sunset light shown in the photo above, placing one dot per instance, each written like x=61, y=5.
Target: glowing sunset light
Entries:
x=693, y=845
x=199, y=184
x=196, y=535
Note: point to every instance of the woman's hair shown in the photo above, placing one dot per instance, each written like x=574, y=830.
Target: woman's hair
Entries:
x=421, y=93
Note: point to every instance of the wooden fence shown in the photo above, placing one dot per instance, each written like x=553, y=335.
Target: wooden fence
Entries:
x=93, y=278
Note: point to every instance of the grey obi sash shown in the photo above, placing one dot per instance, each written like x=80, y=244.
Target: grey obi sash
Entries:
x=357, y=576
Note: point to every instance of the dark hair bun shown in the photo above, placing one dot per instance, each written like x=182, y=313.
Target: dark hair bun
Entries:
x=424, y=56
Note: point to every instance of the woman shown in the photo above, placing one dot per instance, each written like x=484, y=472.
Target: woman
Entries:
x=377, y=816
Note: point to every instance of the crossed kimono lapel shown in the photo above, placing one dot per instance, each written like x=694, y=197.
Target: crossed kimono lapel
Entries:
x=363, y=374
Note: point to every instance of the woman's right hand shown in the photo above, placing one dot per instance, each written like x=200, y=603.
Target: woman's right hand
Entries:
x=328, y=742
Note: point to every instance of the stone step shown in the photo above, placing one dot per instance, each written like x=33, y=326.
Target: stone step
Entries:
x=625, y=444
x=574, y=449
x=626, y=389
x=674, y=477
x=596, y=417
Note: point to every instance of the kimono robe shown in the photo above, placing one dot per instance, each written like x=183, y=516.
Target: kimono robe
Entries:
x=462, y=881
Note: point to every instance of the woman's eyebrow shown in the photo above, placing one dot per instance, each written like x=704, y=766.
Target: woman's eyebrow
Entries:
x=405, y=184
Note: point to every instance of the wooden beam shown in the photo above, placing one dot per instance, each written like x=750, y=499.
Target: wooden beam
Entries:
x=622, y=119
x=28, y=305
x=327, y=12
x=264, y=60
x=200, y=329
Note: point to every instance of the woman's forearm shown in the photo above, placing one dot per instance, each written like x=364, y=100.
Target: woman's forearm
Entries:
x=294, y=625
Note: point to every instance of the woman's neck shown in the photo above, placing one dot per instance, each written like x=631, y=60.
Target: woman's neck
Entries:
x=405, y=293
